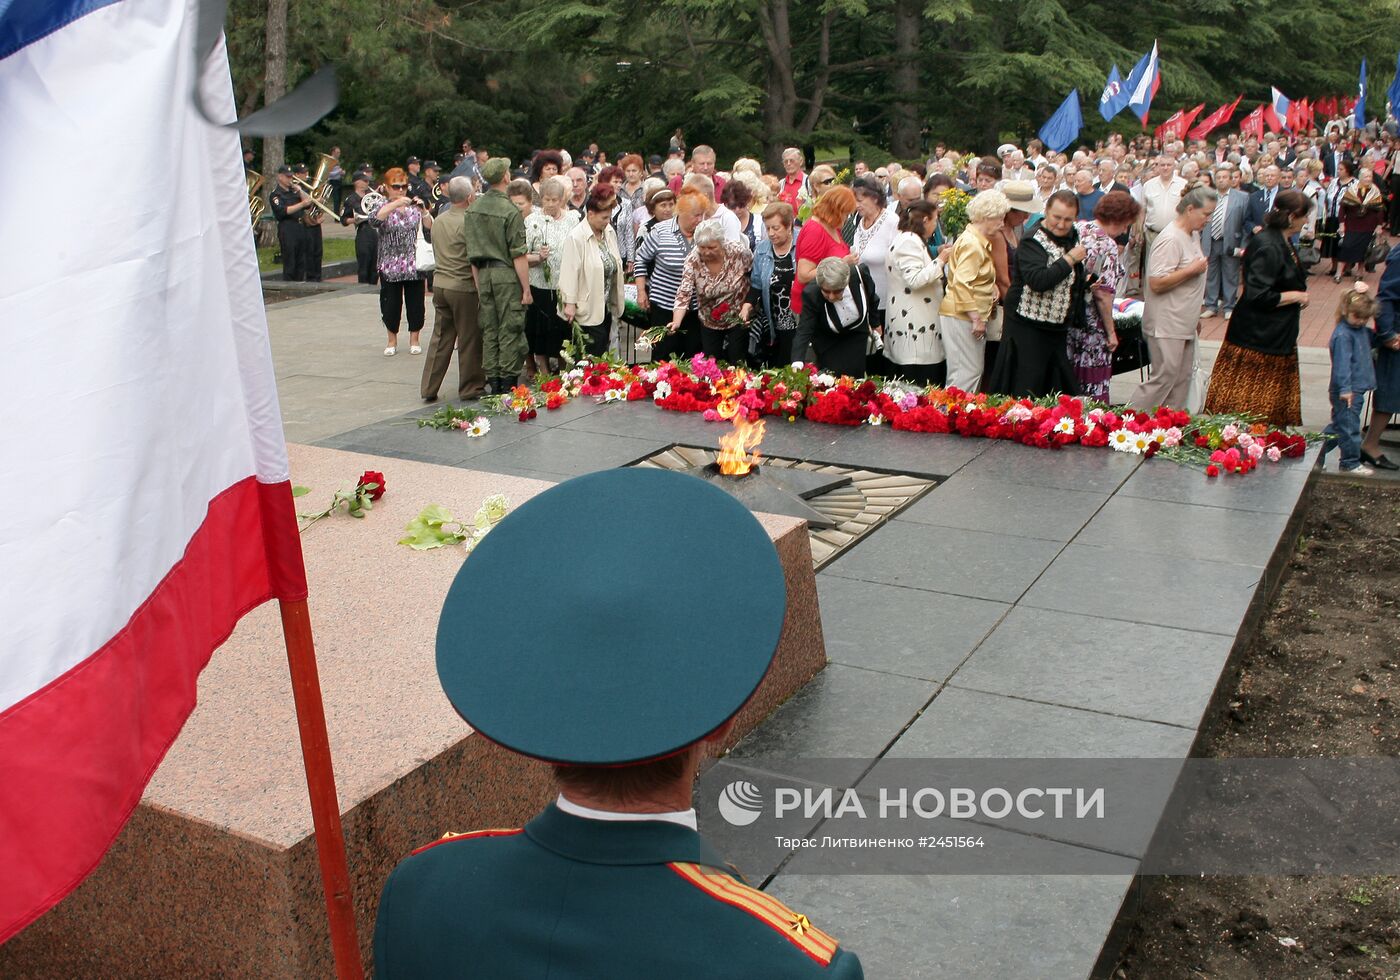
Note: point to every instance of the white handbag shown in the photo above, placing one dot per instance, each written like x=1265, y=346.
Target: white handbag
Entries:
x=1196, y=393
x=423, y=257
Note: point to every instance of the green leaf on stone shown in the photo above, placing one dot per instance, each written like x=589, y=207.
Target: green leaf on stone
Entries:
x=300, y=491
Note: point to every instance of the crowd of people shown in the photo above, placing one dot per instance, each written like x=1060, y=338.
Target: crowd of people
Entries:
x=997, y=273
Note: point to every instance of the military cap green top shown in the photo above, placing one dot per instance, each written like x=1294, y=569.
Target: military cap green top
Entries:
x=495, y=169
x=567, y=637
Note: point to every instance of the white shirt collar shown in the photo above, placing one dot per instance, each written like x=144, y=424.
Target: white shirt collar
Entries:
x=686, y=818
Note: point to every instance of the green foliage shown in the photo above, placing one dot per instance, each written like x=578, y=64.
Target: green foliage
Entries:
x=418, y=76
x=435, y=527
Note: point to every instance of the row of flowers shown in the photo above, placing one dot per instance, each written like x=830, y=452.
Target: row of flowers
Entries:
x=1215, y=443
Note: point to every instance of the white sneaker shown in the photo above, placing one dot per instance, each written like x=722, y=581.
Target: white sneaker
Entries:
x=1361, y=470
x=1207, y=314
x=415, y=349
x=1227, y=314
x=390, y=351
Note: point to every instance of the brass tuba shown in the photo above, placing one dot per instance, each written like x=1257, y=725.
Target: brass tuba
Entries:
x=319, y=188
x=256, y=204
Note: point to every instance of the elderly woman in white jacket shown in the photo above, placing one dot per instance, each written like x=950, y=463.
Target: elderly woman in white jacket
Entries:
x=914, y=290
x=591, y=272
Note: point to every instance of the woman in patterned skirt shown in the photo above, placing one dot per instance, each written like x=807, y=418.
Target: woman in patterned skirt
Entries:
x=1256, y=371
x=1091, y=343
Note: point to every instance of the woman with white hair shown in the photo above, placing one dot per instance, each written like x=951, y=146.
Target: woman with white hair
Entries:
x=716, y=274
x=545, y=230
x=835, y=318
x=971, y=296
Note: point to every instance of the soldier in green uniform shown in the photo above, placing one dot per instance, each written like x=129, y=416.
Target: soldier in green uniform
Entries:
x=611, y=880
x=496, y=245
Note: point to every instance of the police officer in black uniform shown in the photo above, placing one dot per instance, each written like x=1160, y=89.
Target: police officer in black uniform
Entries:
x=366, y=238
x=417, y=186
x=288, y=202
x=312, y=245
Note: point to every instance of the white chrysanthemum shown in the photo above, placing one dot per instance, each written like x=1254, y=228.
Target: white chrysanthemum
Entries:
x=1065, y=426
x=663, y=390
x=1121, y=440
x=479, y=426
x=824, y=380
x=1141, y=441
x=613, y=395
x=876, y=419
x=1159, y=436
x=649, y=376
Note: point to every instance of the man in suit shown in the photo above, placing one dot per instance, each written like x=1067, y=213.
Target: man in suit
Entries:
x=1222, y=240
x=612, y=879
x=1260, y=202
x=1334, y=152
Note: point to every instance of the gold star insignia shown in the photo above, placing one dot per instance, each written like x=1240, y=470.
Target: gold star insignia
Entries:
x=800, y=924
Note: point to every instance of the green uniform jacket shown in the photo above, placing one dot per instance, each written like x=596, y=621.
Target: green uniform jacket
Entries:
x=568, y=897
x=494, y=228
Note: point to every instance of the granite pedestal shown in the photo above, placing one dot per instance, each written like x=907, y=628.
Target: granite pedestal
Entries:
x=216, y=873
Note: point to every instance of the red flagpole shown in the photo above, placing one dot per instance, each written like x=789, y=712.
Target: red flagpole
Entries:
x=320, y=783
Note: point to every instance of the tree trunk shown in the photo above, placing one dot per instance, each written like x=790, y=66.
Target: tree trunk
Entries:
x=904, y=127
x=275, y=84
x=780, y=104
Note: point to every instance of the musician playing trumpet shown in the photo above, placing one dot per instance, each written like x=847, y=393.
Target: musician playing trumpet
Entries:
x=311, y=218
x=366, y=238
x=289, y=203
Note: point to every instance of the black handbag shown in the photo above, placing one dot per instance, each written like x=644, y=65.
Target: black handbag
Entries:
x=1132, y=353
x=1376, y=251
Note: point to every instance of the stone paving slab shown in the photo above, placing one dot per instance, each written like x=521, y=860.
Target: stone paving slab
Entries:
x=866, y=624
x=956, y=927
x=979, y=564
x=1152, y=673
x=1071, y=468
x=977, y=502
x=1157, y=527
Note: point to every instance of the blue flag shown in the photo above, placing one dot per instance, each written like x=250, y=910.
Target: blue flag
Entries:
x=1393, y=93
x=1358, y=119
x=1115, y=95
x=1061, y=129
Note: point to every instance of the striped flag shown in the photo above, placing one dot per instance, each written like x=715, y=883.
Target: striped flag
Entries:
x=152, y=506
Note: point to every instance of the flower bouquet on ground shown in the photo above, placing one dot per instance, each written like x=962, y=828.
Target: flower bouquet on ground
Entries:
x=1234, y=444
x=435, y=527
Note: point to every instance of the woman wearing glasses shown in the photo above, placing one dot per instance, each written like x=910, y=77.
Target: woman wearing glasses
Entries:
x=400, y=283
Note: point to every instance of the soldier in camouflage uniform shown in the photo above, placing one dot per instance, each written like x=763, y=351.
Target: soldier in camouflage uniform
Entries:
x=495, y=234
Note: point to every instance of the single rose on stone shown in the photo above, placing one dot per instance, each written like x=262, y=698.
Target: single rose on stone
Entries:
x=371, y=484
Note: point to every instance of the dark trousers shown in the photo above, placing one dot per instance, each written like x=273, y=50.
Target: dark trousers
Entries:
x=367, y=255
x=455, y=325
x=684, y=343
x=780, y=354
x=290, y=233
x=729, y=345
x=394, y=296
x=312, y=248
x=596, y=337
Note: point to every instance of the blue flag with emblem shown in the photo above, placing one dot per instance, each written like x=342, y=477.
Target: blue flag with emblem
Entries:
x=1358, y=118
x=1061, y=129
x=1115, y=95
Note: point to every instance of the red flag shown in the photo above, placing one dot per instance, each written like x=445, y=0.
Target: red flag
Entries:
x=1253, y=124
x=1327, y=105
x=1216, y=119
x=1348, y=105
x=1176, y=125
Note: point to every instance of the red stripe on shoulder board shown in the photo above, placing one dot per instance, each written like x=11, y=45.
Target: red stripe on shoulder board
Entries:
x=450, y=836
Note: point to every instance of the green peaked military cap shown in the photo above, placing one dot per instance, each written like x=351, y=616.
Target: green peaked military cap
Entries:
x=569, y=636
x=494, y=169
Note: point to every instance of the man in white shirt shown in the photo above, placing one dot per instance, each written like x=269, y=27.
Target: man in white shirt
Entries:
x=733, y=232
x=1158, y=196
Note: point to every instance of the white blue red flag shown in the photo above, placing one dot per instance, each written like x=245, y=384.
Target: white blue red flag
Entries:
x=1279, y=106
x=152, y=507
x=1143, y=82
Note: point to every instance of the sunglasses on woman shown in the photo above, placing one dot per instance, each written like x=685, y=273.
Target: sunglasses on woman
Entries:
x=399, y=187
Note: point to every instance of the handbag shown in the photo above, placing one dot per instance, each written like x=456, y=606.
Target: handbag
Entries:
x=1376, y=251
x=1132, y=353
x=423, y=257
x=995, y=323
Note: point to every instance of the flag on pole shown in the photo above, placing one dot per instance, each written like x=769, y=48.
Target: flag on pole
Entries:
x=1061, y=129
x=1215, y=120
x=1358, y=120
x=1143, y=82
x=1177, y=123
x=154, y=506
x=1115, y=95
x=1253, y=124
x=1392, y=94
x=1276, y=113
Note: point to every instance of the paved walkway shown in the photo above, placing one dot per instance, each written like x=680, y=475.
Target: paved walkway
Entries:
x=986, y=621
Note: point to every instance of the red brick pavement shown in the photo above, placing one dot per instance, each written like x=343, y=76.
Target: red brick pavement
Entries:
x=1319, y=317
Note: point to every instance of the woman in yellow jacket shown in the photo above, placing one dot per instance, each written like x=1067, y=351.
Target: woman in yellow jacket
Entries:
x=971, y=296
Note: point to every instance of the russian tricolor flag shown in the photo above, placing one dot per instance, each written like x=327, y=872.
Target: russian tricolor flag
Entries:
x=147, y=506
x=1278, y=107
x=1143, y=82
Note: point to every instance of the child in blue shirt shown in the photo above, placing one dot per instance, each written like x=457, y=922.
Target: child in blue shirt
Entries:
x=1353, y=375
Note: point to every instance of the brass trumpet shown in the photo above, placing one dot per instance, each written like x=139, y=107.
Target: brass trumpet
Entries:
x=256, y=205
x=319, y=190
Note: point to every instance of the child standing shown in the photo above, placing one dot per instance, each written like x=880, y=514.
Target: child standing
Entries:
x=1353, y=375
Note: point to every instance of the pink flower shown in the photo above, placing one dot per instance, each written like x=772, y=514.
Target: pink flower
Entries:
x=1246, y=440
x=1273, y=454
x=1173, y=437
x=1255, y=450
x=710, y=415
x=1230, y=431
x=1218, y=456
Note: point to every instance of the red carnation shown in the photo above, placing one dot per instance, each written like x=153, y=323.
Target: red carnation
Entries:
x=367, y=478
x=1212, y=470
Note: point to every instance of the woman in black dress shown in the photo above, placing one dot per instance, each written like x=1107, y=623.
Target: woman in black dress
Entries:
x=1256, y=370
x=836, y=318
